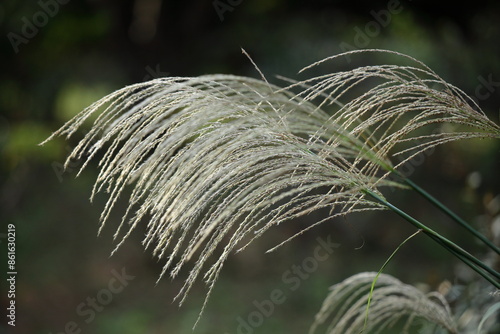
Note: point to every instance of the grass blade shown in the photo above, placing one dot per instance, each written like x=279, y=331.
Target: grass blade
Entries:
x=378, y=274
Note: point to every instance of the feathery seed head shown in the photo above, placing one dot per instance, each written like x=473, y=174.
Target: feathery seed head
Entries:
x=215, y=161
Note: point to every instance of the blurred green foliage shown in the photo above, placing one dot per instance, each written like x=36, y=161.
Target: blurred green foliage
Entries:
x=85, y=51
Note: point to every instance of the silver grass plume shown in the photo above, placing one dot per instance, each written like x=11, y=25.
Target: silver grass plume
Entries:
x=396, y=110
x=344, y=309
x=217, y=160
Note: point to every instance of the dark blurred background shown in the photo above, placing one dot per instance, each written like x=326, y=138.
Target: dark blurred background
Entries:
x=59, y=56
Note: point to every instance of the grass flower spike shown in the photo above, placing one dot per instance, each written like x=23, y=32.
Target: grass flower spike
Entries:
x=214, y=161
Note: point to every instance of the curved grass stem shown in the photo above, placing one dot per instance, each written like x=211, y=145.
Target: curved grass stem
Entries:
x=372, y=287
x=482, y=269
x=450, y=213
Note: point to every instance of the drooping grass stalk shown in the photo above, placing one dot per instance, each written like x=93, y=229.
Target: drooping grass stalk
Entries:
x=344, y=309
x=456, y=250
x=215, y=161
x=448, y=212
x=375, y=115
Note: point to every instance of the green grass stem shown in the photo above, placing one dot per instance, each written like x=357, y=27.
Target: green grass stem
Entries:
x=450, y=213
x=475, y=264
